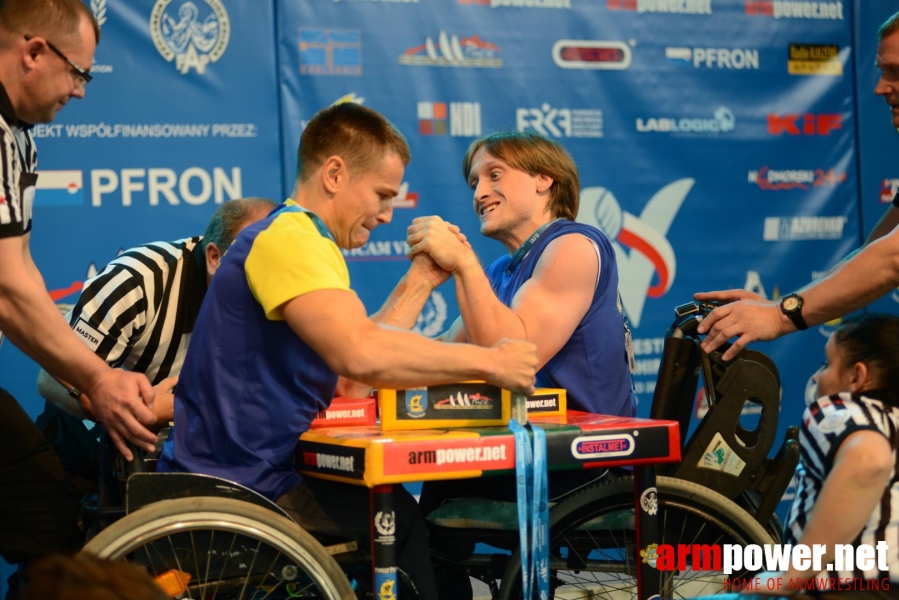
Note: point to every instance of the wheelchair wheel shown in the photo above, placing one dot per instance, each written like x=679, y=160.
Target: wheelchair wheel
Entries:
x=592, y=540
x=225, y=549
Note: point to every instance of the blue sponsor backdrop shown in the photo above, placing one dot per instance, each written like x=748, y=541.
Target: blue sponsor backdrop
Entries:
x=722, y=144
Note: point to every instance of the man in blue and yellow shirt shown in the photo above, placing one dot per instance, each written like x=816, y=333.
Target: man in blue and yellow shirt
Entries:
x=280, y=324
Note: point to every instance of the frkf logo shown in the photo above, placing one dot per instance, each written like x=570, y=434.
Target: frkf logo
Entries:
x=191, y=36
x=808, y=124
x=560, y=122
x=646, y=261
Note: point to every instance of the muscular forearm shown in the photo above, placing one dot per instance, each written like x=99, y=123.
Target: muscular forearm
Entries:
x=486, y=319
x=854, y=283
x=406, y=301
x=33, y=323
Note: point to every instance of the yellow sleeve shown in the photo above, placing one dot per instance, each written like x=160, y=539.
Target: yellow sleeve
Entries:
x=290, y=258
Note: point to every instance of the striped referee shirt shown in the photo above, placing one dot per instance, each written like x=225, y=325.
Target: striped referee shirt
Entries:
x=18, y=155
x=138, y=312
x=826, y=424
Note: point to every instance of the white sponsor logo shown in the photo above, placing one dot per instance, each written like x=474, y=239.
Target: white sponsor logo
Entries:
x=470, y=455
x=649, y=500
x=524, y=3
x=464, y=118
x=803, y=228
x=382, y=249
x=433, y=316
x=560, y=122
x=147, y=130
x=647, y=268
x=194, y=185
x=723, y=121
x=89, y=335
x=714, y=58
x=689, y=7
x=336, y=463
x=795, y=9
x=451, y=51
x=385, y=523
x=194, y=35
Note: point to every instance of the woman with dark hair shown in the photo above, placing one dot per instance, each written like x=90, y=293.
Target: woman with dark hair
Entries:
x=847, y=482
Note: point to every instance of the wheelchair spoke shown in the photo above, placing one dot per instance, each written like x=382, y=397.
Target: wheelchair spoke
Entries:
x=250, y=570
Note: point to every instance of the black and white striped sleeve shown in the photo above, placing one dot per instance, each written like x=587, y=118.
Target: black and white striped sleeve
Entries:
x=12, y=217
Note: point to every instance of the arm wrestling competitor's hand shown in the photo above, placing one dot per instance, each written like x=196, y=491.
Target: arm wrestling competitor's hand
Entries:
x=442, y=241
x=725, y=296
x=515, y=365
x=123, y=403
x=746, y=320
x=164, y=403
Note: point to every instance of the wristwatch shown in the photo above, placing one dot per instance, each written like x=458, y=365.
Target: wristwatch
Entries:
x=791, y=305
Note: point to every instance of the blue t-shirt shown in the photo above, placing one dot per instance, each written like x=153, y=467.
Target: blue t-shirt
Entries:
x=250, y=386
x=592, y=365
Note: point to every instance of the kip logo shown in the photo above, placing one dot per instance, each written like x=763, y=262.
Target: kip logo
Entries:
x=450, y=51
x=330, y=52
x=602, y=446
x=59, y=188
x=888, y=190
x=191, y=35
x=592, y=54
x=458, y=119
x=647, y=265
x=808, y=124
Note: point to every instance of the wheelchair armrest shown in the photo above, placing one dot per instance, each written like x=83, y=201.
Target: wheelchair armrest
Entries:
x=779, y=473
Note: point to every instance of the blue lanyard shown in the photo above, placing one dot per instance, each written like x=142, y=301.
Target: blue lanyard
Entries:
x=531, y=483
x=526, y=247
x=316, y=220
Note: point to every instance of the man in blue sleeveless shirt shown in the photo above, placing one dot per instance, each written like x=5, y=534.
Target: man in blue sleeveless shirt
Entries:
x=280, y=323
x=557, y=287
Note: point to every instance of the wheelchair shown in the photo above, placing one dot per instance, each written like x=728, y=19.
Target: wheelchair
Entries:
x=204, y=537
x=724, y=491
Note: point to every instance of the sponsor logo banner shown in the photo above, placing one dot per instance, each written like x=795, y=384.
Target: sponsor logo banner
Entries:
x=795, y=9
x=778, y=229
x=456, y=119
x=59, y=188
x=451, y=51
x=330, y=51
x=591, y=54
x=723, y=121
x=814, y=59
x=602, y=446
x=683, y=7
x=331, y=459
x=714, y=58
x=807, y=124
x=560, y=122
x=519, y=3
x=194, y=34
x=444, y=456
x=888, y=190
x=790, y=179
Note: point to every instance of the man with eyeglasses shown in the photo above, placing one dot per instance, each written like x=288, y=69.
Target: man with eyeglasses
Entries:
x=38, y=507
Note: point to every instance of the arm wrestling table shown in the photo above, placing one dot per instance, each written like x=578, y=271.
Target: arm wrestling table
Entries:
x=369, y=457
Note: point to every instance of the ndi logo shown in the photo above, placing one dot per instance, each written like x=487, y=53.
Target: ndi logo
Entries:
x=191, y=36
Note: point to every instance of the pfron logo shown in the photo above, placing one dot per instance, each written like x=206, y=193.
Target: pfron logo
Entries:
x=450, y=51
x=191, y=35
x=646, y=261
x=591, y=54
x=560, y=122
x=723, y=121
x=433, y=316
x=814, y=59
x=803, y=179
x=795, y=9
x=462, y=119
x=59, y=188
x=888, y=190
x=683, y=7
x=807, y=124
x=714, y=58
x=330, y=52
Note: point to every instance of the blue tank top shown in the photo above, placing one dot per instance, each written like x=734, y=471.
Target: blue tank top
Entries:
x=592, y=365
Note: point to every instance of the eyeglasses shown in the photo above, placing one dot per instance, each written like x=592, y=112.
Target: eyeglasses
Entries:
x=84, y=77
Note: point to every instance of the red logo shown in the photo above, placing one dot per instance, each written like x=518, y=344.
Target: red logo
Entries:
x=888, y=190
x=807, y=124
x=621, y=4
x=764, y=8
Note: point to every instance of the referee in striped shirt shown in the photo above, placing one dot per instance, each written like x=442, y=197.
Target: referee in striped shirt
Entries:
x=46, y=49
x=138, y=313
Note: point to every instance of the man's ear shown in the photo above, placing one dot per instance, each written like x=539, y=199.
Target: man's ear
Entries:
x=334, y=173
x=213, y=259
x=861, y=377
x=543, y=183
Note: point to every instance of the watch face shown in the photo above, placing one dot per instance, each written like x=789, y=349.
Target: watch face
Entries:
x=790, y=304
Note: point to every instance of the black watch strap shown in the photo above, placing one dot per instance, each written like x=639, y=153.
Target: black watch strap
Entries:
x=791, y=306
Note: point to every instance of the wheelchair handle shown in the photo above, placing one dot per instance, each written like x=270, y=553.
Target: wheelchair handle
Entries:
x=688, y=317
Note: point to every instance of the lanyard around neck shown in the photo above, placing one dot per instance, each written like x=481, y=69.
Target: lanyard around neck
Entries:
x=526, y=247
